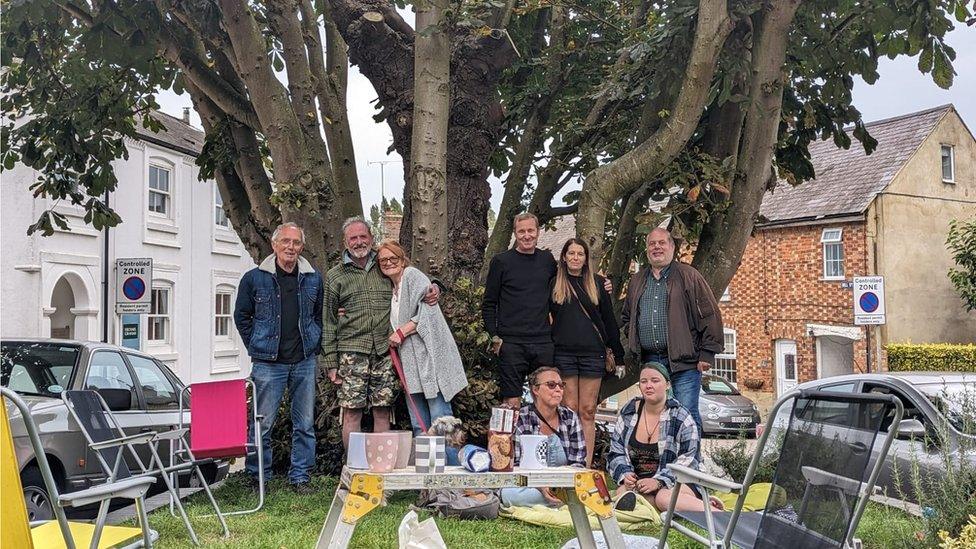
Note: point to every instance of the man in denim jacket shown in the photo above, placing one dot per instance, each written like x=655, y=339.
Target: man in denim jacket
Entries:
x=279, y=316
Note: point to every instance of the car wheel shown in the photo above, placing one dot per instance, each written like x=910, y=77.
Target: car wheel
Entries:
x=35, y=495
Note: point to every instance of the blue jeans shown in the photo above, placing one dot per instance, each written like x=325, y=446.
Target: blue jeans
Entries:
x=527, y=497
x=270, y=382
x=685, y=384
x=431, y=409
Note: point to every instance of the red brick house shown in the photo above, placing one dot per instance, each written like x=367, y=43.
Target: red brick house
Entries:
x=789, y=308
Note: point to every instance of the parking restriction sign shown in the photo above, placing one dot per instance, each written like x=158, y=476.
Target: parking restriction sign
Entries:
x=133, y=287
x=869, y=304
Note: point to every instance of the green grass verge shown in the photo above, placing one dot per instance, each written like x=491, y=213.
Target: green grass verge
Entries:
x=292, y=521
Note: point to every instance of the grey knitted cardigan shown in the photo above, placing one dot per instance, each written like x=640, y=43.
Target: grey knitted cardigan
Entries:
x=430, y=357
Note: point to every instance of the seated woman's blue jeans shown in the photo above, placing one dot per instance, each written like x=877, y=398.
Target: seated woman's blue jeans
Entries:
x=527, y=497
x=431, y=409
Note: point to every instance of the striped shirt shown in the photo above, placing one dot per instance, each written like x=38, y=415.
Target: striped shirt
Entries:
x=652, y=324
x=365, y=295
x=570, y=433
x=678, y=442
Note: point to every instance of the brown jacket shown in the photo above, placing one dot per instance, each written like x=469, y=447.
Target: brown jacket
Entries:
x=694, y=321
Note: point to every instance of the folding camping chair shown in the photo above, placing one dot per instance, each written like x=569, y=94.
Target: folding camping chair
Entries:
x=16, y=532
x=219, y=425
x=107, y=440
x=828, y=463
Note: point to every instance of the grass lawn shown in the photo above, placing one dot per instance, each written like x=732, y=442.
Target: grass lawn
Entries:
x=291, y=521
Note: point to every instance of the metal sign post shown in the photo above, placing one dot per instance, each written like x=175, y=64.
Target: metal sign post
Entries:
x=869, y=307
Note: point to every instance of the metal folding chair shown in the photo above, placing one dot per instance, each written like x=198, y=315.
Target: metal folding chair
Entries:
x=16, y=532
x=219, y=425
x=107, y=440
x=831, y=454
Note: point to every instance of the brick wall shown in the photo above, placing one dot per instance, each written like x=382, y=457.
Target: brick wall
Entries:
x=778, y=290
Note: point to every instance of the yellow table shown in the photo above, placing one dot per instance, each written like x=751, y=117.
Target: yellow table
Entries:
x=360, y=492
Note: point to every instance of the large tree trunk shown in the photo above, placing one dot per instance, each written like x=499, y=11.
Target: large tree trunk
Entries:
x=381, y=45
x=606, y=184
x=724, y=238
x=428, y=162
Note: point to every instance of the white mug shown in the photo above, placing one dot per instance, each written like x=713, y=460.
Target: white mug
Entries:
x=356, y=458
x=535, y=452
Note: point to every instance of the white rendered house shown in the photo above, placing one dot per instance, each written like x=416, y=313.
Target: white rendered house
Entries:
x=53, y=286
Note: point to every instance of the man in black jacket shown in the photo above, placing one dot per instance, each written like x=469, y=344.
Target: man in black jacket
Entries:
x=671, y=317
x=515, y=308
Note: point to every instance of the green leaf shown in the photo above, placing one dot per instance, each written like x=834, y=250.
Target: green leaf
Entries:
x=925, y=59
x=942, y=74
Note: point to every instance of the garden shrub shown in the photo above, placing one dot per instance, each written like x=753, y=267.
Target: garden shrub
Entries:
x=941, y=357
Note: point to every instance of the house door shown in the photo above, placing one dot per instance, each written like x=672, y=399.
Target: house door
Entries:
x=786, y=376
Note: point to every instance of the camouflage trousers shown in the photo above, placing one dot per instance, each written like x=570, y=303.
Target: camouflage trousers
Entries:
x=367, y=381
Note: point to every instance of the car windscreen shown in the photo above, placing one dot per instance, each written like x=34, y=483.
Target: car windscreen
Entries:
x=714, y=385
x=32, y=368
x=956, y=401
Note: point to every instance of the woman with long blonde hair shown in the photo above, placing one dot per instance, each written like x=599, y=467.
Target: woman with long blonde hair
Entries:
x=584, y=333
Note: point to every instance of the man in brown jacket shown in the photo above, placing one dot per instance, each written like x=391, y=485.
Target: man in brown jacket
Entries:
x=670, y=316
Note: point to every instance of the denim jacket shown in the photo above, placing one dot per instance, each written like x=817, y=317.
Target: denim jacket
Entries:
x=257, y=312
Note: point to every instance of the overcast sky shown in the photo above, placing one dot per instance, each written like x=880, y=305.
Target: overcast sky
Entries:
x=900, y=90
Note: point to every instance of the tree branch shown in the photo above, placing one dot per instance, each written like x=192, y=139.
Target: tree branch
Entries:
x=606, y=184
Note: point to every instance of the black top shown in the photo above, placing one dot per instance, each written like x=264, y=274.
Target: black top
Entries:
x=644, y=456
x=290, y=349
x=574, y=334
x=516, y=302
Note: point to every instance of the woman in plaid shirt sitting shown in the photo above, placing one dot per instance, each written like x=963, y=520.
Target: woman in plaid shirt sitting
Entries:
x=547, y=416
x=652, y=432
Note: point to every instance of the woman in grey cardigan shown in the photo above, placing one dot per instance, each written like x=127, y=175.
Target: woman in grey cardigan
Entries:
x=430, y=358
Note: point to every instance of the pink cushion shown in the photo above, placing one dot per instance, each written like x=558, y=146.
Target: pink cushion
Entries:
x=218, y=419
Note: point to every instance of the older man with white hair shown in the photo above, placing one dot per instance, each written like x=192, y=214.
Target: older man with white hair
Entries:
x=279, y=316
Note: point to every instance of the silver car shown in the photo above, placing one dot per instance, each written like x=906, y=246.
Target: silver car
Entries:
x=40, y=369
x=939, y=424
x=725, y=411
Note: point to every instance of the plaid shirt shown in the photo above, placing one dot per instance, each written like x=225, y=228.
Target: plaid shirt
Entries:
x=365, y=294
x=679, y=441
x=652, y=324
x=570, y=433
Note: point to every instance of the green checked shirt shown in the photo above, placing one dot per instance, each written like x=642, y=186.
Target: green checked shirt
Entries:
x=365, y=294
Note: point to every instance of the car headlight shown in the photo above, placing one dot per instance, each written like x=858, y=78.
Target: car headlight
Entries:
x=713, y=408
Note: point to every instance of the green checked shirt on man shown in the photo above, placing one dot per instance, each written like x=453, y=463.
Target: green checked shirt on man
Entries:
x=365, y=295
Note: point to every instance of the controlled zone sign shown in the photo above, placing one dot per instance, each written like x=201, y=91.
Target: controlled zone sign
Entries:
x=869, y=301
x=133, y=285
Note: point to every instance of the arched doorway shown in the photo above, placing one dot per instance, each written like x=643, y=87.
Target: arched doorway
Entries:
x=63, y=318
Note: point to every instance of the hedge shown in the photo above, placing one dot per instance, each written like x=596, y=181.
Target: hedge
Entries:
x=943, y=357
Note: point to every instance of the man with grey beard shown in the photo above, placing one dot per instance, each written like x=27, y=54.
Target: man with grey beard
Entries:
x=356, y=332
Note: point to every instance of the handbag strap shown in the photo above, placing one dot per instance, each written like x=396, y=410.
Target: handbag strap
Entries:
x=596, y=328
x=395, y=356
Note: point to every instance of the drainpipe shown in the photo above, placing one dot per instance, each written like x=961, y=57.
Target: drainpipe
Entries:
x=105, y=273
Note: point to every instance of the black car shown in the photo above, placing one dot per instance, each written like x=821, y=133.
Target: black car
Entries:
x=39, y=370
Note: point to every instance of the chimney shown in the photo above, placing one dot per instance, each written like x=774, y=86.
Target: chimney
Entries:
x=186, y=115
x=391, y=225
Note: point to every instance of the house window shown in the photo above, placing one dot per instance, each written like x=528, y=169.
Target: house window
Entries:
x=727, y=295
x=725, y=362
x=222, y=314
x=948, y=164
x=220, y=216
x=159, y=316
x=833, y=254
x=160, y=196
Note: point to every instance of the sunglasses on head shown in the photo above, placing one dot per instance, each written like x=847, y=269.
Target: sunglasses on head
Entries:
x=553, y=384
